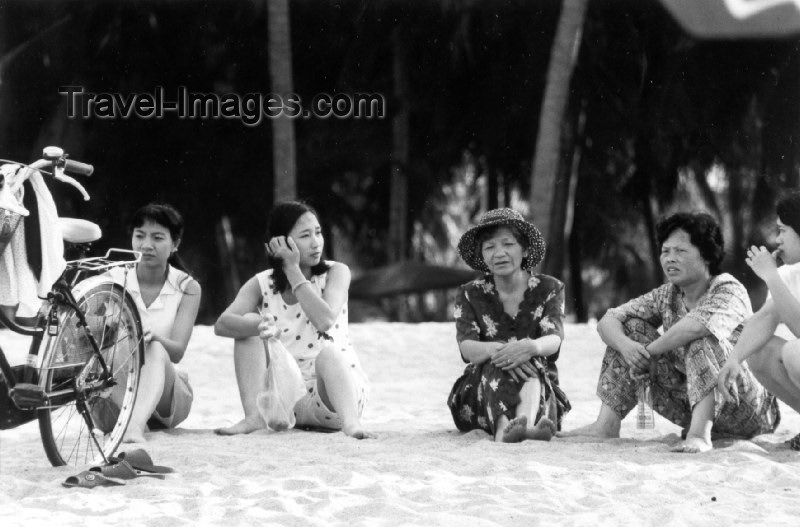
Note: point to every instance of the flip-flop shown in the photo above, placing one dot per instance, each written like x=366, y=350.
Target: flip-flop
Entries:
x=140, y=460
x=122, y=470
x=89, y=479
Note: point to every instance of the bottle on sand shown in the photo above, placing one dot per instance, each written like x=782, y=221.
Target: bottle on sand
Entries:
x=645, y=420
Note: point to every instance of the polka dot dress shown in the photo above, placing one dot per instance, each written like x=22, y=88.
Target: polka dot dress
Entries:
x=298, y=334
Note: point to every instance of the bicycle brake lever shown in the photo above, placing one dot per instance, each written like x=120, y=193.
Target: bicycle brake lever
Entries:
x=59, y=174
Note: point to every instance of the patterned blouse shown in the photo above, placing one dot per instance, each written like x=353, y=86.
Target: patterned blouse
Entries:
x=722, y=309
x=480, y=316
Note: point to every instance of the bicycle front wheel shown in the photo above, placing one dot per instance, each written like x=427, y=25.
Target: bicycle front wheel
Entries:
x=68, y=358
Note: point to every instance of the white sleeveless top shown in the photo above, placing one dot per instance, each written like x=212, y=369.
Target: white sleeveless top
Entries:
x=159, y=317
x=296, y=332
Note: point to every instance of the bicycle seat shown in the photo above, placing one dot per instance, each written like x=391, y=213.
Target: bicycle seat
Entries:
x=75, y=230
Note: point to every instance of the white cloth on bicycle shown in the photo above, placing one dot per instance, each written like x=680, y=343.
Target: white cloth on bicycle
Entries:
x=18, y=285
x=53, y=263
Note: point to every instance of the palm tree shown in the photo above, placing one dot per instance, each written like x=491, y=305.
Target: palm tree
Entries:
x=398, y=197
x=280, y=72
x=549, y=178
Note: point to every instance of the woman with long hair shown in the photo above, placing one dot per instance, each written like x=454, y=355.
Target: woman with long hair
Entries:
x=305, y=297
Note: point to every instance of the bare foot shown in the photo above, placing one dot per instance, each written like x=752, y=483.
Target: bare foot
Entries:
x=544, y=430
x=245, y=426
x=594, y=430
x=356, y=432
x=515, y=430
x=693, y=445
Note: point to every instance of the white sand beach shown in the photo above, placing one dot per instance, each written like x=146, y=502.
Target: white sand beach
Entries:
x=419, y=470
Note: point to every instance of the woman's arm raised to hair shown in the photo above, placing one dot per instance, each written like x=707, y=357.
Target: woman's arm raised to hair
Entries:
x=181, y=332
x=241, y=319
x=323, y=310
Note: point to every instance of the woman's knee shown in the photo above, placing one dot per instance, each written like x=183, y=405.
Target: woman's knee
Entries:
x=328, y=357
x=790, y=355
x=764, y=361
x=155, y=353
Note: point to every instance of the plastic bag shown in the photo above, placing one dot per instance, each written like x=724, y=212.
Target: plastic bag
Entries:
x=284, y=387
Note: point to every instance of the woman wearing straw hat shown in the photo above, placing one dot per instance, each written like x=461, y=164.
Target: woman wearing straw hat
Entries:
x=509, y=327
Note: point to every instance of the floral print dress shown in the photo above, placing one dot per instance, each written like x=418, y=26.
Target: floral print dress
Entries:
x=485, y=392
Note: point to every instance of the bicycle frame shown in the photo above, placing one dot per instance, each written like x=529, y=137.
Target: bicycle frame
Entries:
x=67, y=367
x=24, y=393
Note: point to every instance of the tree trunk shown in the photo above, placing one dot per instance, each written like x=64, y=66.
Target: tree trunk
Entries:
x=547, y=202
x=492, y=188
x=398, y=193
x=280, y=73
x=398, y=198
x=573, y=217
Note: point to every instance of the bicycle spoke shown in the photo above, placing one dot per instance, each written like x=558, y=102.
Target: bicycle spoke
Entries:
x=113, y=320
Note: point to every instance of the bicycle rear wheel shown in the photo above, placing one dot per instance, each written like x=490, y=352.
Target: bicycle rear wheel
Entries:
x=115, y=324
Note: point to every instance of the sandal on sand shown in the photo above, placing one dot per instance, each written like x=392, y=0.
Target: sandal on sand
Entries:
x=128, y=465
x=140, y=460
x=794, y=443
x=122, y=470
x=89, y=479
x=107, y=475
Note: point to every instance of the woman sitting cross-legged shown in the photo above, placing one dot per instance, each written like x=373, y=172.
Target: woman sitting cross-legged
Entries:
x=509, y=328
x=701, y=310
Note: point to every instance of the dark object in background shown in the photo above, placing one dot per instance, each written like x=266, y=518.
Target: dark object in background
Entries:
x=408, y=277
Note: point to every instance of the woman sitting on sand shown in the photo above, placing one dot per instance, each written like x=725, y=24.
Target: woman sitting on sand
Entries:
x=168, y=299
x=308, y=298
x=701, y=310
x=509, y=328
x=773, y=360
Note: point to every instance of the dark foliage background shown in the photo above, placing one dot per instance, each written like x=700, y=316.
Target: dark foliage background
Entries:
x=657, y=121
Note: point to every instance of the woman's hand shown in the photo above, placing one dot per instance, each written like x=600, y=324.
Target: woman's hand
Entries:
x=761, y=261
x=267, y=328
x=284, y=249
x=514, y=354
x=726, y=380
x=638, y=374
x=636, y=356
x=523, y=372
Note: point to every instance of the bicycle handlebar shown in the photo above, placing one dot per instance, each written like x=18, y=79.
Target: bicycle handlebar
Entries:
x=76, y=167
x=55, y=158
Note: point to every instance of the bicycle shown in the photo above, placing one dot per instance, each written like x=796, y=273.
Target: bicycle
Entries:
x=82, y=386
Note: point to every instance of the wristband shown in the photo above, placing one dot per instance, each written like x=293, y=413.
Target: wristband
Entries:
x=298, y=284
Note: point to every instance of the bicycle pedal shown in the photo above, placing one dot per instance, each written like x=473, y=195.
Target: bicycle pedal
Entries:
x=27, y=395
